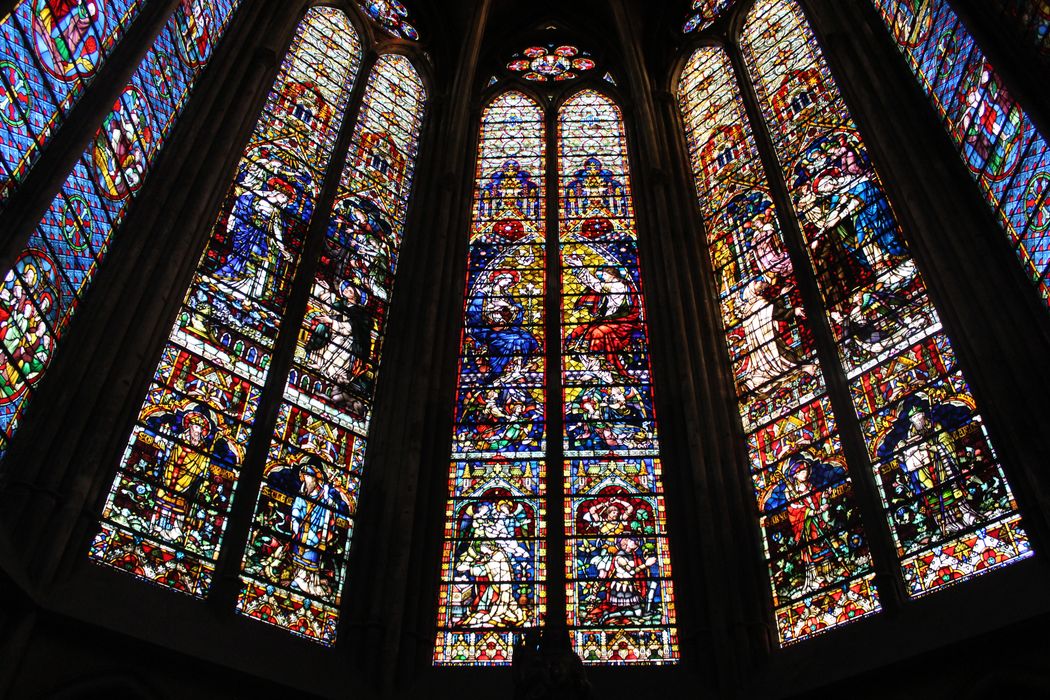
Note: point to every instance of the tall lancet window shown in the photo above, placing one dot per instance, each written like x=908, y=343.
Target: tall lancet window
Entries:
x=620, y=593
x=996, y=139
x=815, y=545
x=293, y=571
x=494, y=567
x=166, y=514
x=948, y=508
x=41, y=294
x=555, y=336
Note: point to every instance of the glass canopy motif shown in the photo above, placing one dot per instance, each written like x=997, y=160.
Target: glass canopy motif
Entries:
x=293, y=571
x=946, y=499
x=42, y=292
x=618, y=568
x=815, y=545
x=167, y=511
x=552, y=62
x=996, y=139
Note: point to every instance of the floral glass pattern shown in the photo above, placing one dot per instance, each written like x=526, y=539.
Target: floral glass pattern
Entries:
x=40, y=295
x=815, y=545
x=494, y=562
x=293, y=570
x=551, y=63
x=620, y=595
x=165, y=516
x=946, y=499
x=996, y=139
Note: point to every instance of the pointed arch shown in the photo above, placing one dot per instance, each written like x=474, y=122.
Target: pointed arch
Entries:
x=620, y=594
x=294, y=567
x=815, y=545
x=945, y=497
x=166, y=513
x=494, y=571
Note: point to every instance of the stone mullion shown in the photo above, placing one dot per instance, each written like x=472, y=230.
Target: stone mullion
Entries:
x=126, y=319
x=1000, y=328
x=704, y=463
x=405, y=484
x=878, y=536
x=32, y=197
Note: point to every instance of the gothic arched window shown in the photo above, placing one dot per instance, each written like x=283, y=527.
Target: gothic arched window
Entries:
x=208, y=416
x=996, y=139
x=555, y=454
x=42, y=293
x=947, y=508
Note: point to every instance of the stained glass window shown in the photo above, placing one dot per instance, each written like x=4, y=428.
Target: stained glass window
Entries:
x=166, y=513
x=704, y=14
x=40, y=295
x=619, y=589
x=815, y=546
x=946, y=499
x=494, y=563
x=292, y=574
x=996, y=139
x=392, y=16
x=552, y=62
x=50, y=50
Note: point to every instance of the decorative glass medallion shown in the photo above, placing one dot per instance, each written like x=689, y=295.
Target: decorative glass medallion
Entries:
x=552, y=62
x=704, y=14
x=391, y=16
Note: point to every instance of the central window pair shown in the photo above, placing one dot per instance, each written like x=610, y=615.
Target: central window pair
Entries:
x=555, y=345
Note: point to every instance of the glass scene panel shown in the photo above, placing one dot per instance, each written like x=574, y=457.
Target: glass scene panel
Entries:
x=164, y=518
x=617, y=564
x=50, y=51
x=816, y=550
x=998, y=142
x=40, y=295
x=494, y=560
x=293, y=571
x=946, y=499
